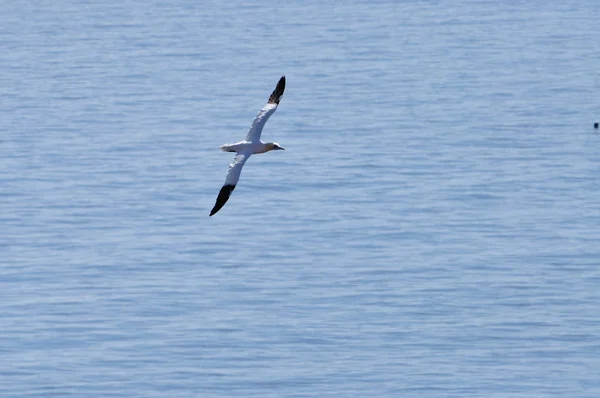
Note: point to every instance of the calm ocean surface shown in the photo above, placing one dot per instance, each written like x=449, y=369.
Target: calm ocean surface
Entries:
x=432, y=230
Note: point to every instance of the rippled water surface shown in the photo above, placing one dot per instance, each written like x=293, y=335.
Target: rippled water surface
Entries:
x=432, y=230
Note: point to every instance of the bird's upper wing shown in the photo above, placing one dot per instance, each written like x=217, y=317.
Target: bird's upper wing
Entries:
x=231, y=179
x=266, y=112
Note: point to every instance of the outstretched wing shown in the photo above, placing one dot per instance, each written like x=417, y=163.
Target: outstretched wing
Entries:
x=231, y=179
x=266, y=112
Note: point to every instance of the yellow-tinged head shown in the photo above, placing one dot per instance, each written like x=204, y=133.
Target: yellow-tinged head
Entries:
x=273, y=146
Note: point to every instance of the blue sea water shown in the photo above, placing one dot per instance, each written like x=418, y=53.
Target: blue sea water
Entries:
x=432, y=230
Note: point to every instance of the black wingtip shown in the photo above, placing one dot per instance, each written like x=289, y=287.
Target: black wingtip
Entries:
x=223, y=197
x=278, y=92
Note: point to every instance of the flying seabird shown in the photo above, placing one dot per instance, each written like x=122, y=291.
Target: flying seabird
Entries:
x=251, y=145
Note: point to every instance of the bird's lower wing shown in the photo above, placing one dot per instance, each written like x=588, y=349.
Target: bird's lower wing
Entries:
x=231, y=179
x=266, y=112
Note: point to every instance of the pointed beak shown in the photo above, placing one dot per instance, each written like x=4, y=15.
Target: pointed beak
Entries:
x=282, y=148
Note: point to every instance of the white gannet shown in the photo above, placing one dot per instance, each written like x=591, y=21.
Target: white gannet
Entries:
x=251, y=145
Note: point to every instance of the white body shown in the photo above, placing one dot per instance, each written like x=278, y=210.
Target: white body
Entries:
x=250, y=146
x=247, y=147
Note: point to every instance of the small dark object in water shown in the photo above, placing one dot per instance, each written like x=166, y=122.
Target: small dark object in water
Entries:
x=596, y=125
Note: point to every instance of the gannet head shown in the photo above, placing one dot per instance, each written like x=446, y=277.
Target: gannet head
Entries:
x=273, y=146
